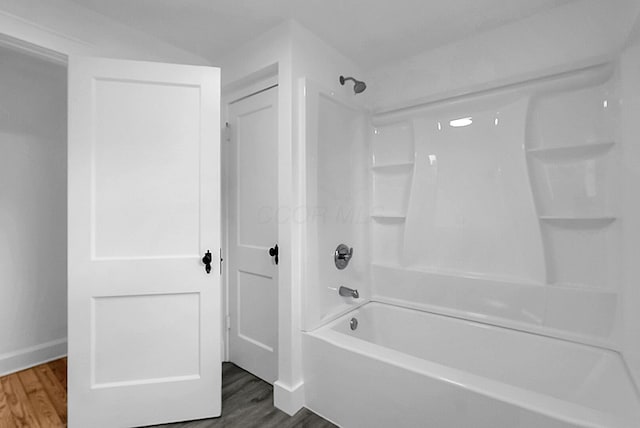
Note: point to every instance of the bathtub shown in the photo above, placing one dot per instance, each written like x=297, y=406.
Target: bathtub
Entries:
x=407, y=368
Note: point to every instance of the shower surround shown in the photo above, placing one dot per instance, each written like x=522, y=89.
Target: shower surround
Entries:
x=491, y=274
x=502, y=207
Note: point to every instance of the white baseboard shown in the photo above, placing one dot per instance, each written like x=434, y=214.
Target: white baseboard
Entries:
x=25, y=358
x=288, y=399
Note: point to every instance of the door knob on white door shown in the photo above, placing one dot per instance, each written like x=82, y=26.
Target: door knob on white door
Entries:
x=273, y=252
x=207, y=261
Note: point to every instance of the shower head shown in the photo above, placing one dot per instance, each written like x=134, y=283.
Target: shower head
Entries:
x=358, y=85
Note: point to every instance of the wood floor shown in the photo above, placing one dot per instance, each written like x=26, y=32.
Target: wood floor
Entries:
x=37, y=397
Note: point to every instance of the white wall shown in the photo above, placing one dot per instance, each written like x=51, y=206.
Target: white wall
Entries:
x=630, y=174
x=320, y=65
x=33, y=214
x=66, y=27
x=575, y=35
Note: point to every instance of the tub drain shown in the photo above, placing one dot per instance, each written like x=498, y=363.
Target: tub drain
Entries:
x=353, y=323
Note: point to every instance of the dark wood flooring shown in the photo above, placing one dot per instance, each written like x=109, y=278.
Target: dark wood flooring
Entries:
x=247, y=402
x=37, y=397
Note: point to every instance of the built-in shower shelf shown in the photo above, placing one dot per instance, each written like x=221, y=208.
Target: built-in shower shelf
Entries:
x=578, y=221
x=398, y=165
x=581, y=151
x=398, y=216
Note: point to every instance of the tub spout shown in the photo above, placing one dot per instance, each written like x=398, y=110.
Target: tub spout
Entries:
x=348, y=292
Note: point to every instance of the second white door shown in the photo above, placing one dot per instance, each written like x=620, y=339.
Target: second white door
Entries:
x=253, y=234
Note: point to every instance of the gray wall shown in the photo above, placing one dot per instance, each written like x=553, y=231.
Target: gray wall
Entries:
x=33, y=199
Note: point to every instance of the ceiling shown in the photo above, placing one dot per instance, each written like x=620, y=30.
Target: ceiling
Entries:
x=371, y=32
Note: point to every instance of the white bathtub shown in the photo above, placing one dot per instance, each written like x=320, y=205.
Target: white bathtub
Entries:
x=407, y=368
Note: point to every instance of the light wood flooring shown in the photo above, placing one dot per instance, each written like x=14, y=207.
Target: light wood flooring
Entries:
x=37, y=397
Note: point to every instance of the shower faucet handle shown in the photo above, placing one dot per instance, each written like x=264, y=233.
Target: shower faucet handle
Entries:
x=342, y=256
x=345, y=254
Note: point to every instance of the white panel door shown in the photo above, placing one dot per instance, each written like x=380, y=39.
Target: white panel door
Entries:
x=253, y=230
x=144, y=207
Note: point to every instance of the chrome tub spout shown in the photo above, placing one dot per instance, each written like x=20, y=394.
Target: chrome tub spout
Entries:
x=348, y=292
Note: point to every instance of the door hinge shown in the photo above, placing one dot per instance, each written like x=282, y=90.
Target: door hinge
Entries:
x=221, y=260
x=228, y=322
x=226, y=132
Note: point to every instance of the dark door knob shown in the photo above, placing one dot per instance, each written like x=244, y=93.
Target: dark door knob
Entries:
x=207, y=261
x=273, y=252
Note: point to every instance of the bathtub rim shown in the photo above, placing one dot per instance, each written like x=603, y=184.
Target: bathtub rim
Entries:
x=473, y=318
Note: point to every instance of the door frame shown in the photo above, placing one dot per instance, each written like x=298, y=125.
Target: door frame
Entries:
x=239, y=72
x=253, y=85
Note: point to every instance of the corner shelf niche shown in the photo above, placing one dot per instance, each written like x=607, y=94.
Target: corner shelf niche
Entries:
x=573, y=181
x=581, y=252
x=387, y=239
x=392, y=144
x=572, y=166
x=391, y=176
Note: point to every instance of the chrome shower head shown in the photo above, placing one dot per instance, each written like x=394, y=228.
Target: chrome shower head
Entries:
x=358, y=85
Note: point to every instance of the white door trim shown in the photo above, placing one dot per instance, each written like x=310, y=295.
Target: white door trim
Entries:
x=251, y=89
